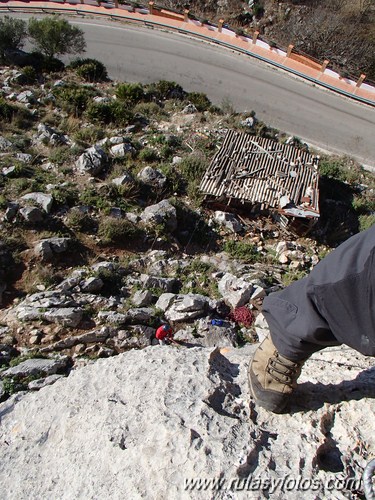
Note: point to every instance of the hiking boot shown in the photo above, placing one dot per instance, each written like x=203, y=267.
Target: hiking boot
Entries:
x=272, y=377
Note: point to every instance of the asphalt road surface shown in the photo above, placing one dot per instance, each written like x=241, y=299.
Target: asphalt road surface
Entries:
x=318, y=116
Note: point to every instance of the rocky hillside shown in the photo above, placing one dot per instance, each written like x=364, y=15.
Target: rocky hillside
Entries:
x=104, y=234
x=342, y=31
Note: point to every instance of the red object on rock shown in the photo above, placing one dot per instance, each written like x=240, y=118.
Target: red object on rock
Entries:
x=164, y=331
x=242, y=315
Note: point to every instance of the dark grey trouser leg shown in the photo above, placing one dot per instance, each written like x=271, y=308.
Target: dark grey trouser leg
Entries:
x=334, y=305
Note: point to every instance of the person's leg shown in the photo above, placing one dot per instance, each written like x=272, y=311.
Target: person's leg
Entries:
x=332, y=306
x=162, y=342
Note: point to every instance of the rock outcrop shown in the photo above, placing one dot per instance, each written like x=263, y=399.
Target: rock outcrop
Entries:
x=157, y=423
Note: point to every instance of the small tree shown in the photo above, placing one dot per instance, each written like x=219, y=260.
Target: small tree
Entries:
x=55, y=36
x=12, y=34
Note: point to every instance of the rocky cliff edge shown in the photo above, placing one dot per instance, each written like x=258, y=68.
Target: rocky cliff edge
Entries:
x=168, y=422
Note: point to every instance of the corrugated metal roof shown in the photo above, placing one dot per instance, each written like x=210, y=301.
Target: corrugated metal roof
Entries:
x=258, y=170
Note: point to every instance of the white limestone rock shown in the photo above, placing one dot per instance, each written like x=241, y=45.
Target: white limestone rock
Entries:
x=41, y=199
x=36, y=366
x=229, y=221
x=92, y=161
x=187, y=307
x=155, y=418
x=161, y=213
x=235, y=291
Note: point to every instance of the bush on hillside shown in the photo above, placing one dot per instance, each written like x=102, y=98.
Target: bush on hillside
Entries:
x=131, y=93
x=114, y=112
x=116, y=231
x=74, y=99
x=90, y=70
x=247, y=252
x=200, y=100
x=164, y=89
x=19, y=116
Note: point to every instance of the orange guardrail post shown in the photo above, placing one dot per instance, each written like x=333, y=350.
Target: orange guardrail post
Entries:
x=290, y=49
x=186, y=15
x=220, y=25
x=360, y=80
x=324, y=65
x=151, y=5
x=255, y=36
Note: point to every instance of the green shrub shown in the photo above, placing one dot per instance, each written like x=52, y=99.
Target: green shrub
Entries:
x=115, y=231
x=29, y=75
x=7, y=110
x=192, y=167
x=60, y=155
x=241, y=250
x=99, y=112
x=200, y=100
x=331, y=168
x=341, y=169
x=366, y=221
x=130, y=92
x=89, y=135
x=194, y=193
x=90, y=70
x=164, y=90
x=121, y=196
x=196, y=231
x=3, y=202
x=19, y=116
x=122, y=116
x=258, y=10
x=74, y=99
x=291, y=276
x=175, y=183
x=112, y=281
x=18, y=187
x=149, y=109
x=40, y=62
x=198, y=267
x=115, y=112
x=53, y=65
x=54, y=36
x=363, y=205
x=166, y=152
x=65, y=195
x=80, y=221
x=148, y=155
x=22, y=170
x=92, y=198
x=12, y=34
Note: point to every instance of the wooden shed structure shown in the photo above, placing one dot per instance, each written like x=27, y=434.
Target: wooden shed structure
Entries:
x=263, y=175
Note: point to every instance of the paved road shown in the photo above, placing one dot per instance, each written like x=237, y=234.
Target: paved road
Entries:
x=318, y=116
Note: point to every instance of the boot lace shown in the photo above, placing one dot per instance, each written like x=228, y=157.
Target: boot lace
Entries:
x=282, y=370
